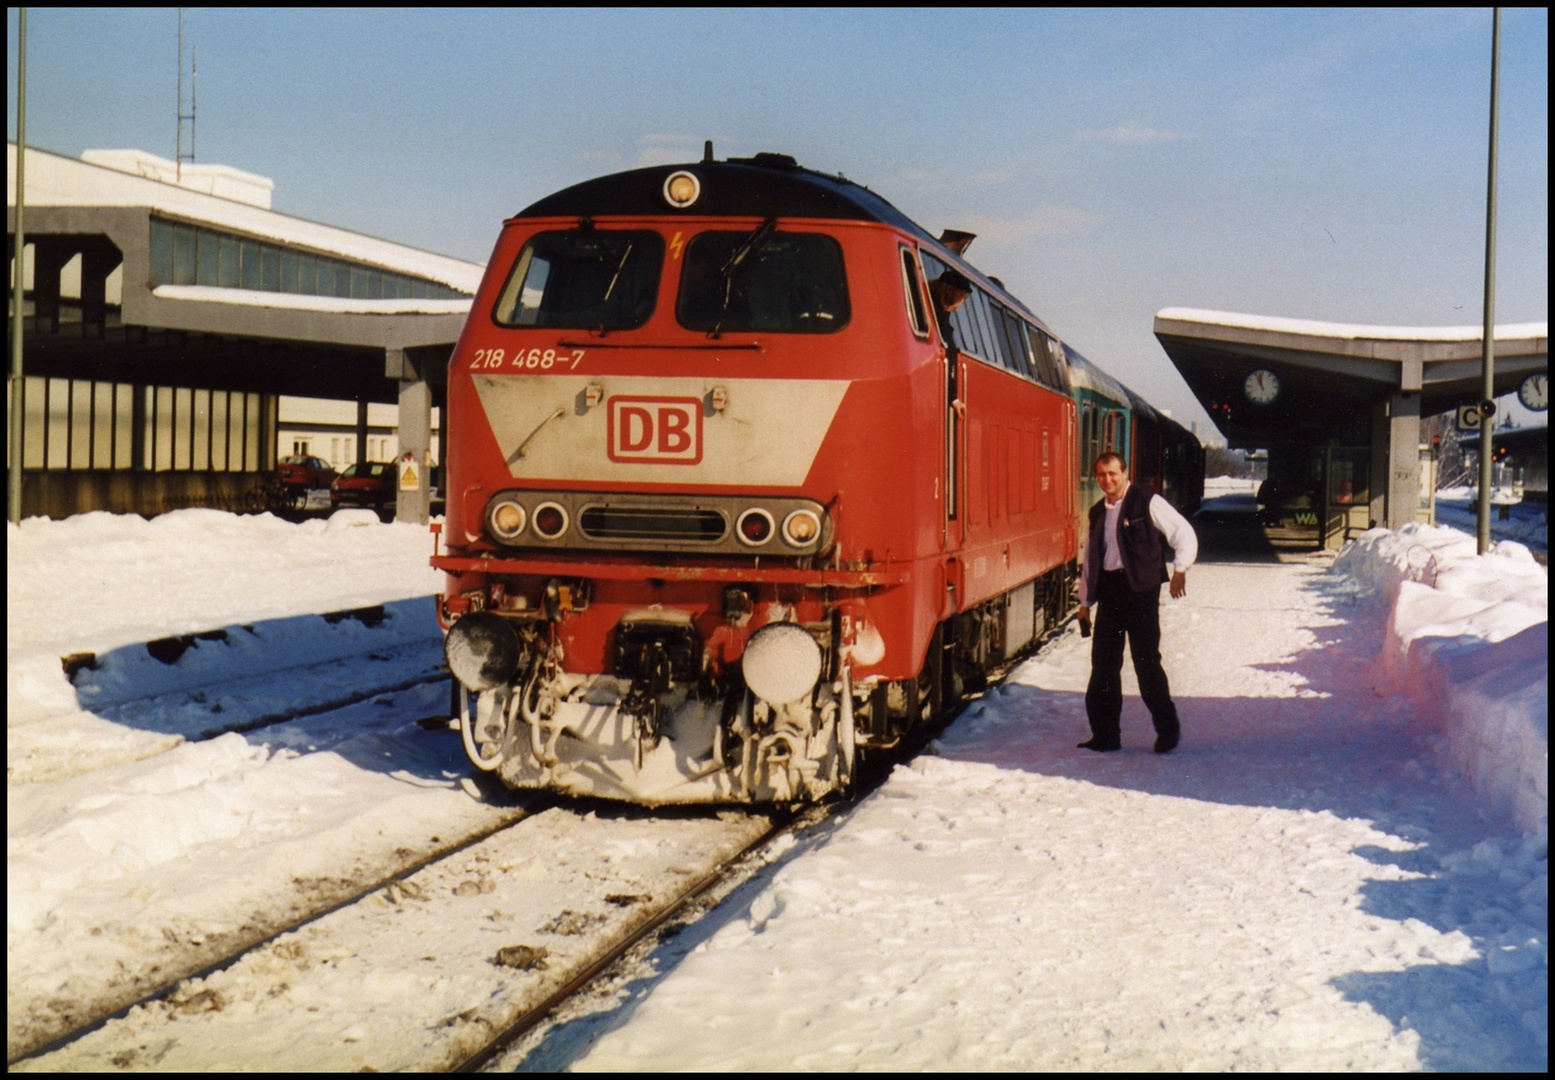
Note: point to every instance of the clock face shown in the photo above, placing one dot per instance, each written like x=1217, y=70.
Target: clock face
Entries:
x=1534, y=392
x=1261, y=387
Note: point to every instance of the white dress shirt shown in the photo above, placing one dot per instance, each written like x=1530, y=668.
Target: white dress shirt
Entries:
x=1180, y=536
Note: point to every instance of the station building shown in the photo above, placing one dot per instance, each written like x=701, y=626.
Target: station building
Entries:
x=1338, y=406
x=169, y=313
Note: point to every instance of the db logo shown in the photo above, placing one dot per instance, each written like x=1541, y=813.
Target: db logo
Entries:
x=655, y=430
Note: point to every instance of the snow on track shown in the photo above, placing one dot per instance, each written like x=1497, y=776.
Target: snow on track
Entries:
x=423, y=974
x=127, y=878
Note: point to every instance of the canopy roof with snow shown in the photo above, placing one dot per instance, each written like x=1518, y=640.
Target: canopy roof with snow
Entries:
x=1326, y=369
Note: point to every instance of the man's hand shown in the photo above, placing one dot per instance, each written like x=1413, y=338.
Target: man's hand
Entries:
x=1179, y=587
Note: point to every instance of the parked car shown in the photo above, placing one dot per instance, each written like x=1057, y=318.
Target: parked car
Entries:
x=371, y=484
x=305, y=472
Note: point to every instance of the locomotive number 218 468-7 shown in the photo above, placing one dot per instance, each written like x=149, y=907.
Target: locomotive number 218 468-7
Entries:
x=526, y=360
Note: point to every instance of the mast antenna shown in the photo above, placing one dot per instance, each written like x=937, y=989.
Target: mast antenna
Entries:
x=194, y=74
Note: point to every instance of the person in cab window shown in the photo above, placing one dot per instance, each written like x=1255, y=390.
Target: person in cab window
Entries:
x=1125, y=567
x=950, y=290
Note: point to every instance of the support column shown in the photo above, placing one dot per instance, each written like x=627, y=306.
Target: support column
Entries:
x=361, y=432
x=96, y=264
x=415, y=438
x=1403, y=458
x=1379, y=464
x=48, y=259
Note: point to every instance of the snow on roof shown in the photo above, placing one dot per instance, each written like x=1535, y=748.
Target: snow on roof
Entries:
x=222, y=181
x=56, y=180
x=1352, y=331
x=298, y=302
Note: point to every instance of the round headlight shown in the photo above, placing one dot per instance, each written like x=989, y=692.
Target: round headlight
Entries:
x=550, y=520
x=681, y=189
x=482, y=651
x=755, y=527
x=801, y=528
x=507, y=519
x=781, y=663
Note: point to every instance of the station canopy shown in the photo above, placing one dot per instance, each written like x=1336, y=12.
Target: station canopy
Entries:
x=1330, y=373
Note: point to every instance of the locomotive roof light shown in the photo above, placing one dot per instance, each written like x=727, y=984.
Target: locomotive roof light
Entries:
x=550, y=520
x=755, y=527
x=506, y=518
x=681, y=189
x=781, y=663
x=801, y=528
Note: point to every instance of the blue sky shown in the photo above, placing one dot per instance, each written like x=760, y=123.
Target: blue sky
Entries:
x=1314, y=164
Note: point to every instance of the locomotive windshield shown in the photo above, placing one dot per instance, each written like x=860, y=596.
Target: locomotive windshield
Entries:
x=766, y=281
x=584, y=279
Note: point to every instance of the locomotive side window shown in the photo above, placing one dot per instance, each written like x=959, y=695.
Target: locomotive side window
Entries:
x=1015, y=343
x=764, y=281
x=584, y=280
x=914, y=289
x=1047, y=361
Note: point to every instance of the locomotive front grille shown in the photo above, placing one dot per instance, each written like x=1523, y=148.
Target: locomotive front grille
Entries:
x=674, y=524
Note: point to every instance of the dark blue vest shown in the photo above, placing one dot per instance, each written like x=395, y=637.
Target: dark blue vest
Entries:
x=1139, y=542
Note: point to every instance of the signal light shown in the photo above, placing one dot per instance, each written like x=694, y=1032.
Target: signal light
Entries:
x=550, y=520
x=507, y=519
x=801, y=528
x=755, y=527
x=681, y=189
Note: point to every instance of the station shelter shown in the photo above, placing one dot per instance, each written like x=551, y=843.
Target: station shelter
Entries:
x=168, y=309
x=1338, y=407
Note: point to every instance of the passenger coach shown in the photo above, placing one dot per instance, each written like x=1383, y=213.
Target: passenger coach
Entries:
x=722, y=507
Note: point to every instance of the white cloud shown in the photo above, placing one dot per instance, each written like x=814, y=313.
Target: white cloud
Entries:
x=1041, y=221
x=1134, y=133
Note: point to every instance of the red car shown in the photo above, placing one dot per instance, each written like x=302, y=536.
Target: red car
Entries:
x=369, y=484
x=303, y=471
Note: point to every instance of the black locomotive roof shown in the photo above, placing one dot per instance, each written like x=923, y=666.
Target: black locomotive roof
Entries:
x=767, y=185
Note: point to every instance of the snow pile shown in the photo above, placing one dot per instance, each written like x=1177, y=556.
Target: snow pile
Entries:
x=1527, y=522
x=97, y=586
x=1468, y=638
x=97, y=581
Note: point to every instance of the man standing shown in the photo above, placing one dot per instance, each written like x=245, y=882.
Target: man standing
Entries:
x=1125, y=566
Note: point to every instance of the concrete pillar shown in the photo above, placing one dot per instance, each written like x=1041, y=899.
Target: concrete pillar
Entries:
x=49, y=258
x=361, y=432
x=415, y=437
x=1379, y=464
x=96, y=264
x=1403, y=458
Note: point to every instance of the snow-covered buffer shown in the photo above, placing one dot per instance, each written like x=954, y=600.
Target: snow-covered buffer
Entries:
x=1468, y=639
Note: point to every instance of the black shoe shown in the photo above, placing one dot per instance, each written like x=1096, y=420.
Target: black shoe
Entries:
x=1166, y=743
x=1099, y=746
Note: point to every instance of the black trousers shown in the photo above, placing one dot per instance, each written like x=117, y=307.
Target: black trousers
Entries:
x=1119, y=611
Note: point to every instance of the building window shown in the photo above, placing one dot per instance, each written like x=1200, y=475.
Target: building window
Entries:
x=189, y=255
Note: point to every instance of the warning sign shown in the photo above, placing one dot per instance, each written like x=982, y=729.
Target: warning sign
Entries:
x=408, y=479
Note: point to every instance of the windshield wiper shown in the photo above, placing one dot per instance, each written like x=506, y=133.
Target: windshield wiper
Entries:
x=619, y=267
x=749, y=246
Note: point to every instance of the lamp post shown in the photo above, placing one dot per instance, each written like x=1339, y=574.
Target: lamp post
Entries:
x=14, y=473
x=1487, y=406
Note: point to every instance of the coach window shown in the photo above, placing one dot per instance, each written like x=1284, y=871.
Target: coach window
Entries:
x=912, y=284
x=584, y=280
x=763, y=281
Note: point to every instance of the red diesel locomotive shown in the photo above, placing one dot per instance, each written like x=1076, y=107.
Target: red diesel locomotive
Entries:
x=723, y=508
